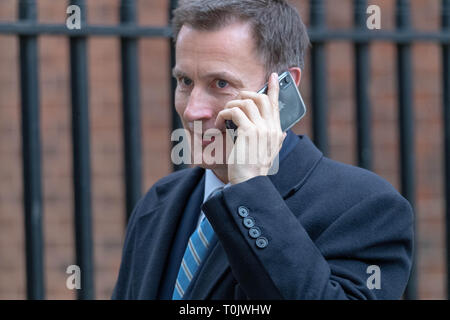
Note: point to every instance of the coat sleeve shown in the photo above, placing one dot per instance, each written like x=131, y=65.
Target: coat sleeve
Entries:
x=290, y=265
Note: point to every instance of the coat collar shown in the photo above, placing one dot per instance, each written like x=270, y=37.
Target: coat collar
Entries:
x=296, y=167
x=294, y=170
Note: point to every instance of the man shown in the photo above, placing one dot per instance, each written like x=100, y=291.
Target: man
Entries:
x=317, y=229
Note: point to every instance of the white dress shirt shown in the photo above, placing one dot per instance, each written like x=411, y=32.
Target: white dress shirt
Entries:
x=211, y=184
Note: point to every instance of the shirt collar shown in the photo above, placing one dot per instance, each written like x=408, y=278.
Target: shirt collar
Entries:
x=211, y=183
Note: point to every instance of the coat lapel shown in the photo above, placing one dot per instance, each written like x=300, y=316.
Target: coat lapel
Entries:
x=209, y=274
x=162, y=220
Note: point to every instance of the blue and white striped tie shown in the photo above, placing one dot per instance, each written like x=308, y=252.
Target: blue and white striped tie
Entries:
x=195, y=253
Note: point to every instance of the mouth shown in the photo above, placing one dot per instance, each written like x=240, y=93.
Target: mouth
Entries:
x=207, y=141
x=207, y=137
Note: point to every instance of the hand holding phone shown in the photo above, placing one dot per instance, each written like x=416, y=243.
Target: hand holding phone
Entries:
x=290, y=102
x=260, y=135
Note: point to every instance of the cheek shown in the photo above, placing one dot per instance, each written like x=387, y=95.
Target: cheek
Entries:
x=220, y=102
x=216, y=103
x=180, y=103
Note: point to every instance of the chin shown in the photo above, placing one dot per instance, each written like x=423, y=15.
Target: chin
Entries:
x=212, y=166
x=209, y=163
x=209, y=160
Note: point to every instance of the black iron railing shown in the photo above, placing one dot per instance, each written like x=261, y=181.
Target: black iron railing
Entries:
x=28, y=31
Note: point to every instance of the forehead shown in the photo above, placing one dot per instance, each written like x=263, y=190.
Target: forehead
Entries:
x=231, y=47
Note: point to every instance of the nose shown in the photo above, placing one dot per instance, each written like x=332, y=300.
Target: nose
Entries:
x=199, y=106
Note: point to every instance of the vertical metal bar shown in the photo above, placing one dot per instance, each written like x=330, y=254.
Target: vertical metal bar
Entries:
x=131, y=109
x=31, y=155
x=406, y=123
x=81, y=159
x=363, y=116
x=176, y=121
x=446, y=112
x=318, y=78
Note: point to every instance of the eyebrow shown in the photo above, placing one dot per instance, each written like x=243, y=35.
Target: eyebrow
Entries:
x=220, y=75
x=177, y=73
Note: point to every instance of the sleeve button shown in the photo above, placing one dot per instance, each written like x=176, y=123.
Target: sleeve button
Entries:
x=254, y=232
x=243, y=211
x=249, y=222
x=262, y=242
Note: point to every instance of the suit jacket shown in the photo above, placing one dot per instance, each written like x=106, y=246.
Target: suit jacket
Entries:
x=321, y=226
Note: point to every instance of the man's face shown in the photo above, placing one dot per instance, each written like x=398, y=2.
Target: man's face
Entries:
x=211, y=68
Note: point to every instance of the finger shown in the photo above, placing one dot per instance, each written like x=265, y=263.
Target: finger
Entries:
x=236, y=115
x=250, y=109
x=261, y=101
x=273, y=93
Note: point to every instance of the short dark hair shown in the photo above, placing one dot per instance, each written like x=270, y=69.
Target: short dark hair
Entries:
x=281, y=37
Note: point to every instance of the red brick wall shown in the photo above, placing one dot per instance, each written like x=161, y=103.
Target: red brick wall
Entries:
x=106, y=141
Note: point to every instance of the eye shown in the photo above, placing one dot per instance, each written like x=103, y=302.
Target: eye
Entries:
x=221, y=84
x=185, y=81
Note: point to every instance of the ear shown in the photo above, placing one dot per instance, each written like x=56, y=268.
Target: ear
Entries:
x=296, y=74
